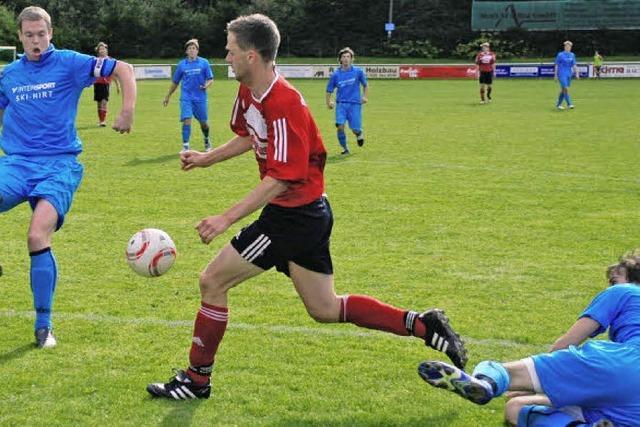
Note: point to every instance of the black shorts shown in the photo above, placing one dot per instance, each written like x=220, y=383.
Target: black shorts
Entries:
x=486, y=77
x=100, y=92
x=281, y=235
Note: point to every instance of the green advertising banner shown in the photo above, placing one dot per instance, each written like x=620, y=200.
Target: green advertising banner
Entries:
x=555, y=15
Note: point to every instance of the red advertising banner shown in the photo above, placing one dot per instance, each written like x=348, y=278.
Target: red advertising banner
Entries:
x=438, y=71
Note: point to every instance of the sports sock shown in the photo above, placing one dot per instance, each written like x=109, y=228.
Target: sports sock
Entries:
x=496, y=373
x=482, y=94
x=560, y=99
x=208, y=330
x=342, y=139
x=205, y=132
x=186, y=133
x=568, y=99
x=368, y=312
x=489, y=92
x=44, y=275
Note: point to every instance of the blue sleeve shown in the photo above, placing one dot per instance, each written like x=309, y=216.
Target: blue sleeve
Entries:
x=573, y=60
x=207, y=70
x=177, y=75
x=558, y=58
x=363, y=77
x=86, y=68
x=4, y=101
x=331, y=84
x=605, y=307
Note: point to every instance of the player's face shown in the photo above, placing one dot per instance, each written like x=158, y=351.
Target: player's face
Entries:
x=192, y=51
x=485, y=48
x=102, y=51
x=567, y=48
x=346, y=59
x=237, y=58
x=35, y=37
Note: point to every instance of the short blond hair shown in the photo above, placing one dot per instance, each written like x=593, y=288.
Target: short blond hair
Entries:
x=484, y=44
x=568, y=43
x=192, y=42
x=33, y=13
x=346, y=50
x=102, y=44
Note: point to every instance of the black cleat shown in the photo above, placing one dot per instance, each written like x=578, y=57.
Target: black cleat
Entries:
x=180, y=388
x=360, y=142
x=441, y=336
x=442, y=375
x=345, y=152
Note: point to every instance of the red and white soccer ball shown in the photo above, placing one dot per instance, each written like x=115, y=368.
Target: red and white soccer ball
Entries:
x=151, y=252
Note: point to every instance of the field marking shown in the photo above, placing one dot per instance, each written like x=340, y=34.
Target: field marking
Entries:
x=281, y=329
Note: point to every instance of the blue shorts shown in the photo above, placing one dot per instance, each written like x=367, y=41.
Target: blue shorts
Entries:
x=601, y=377
x=351, y=112
x=54, y=179
x=565, y=81
x=196, y=109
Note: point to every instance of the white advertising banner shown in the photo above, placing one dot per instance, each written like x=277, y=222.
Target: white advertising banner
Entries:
x=324, y=71
x=620, y=70
x=152, y=71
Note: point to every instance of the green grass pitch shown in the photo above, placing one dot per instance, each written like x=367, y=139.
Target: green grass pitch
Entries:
x=504, y=214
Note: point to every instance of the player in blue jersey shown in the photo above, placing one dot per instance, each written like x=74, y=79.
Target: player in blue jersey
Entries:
x=196, y=76
x=573, y=384
x=39, y=96
x=349, y=99
x=565, y=67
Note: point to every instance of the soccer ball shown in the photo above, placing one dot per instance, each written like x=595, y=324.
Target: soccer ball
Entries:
x=151, y=252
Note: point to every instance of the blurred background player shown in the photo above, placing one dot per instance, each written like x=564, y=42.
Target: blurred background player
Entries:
x=597, y=63
x=574, y=385
x=486, y=61
x=348, y=79
x=39, y=96
x=101, y=87
x=293, y=230
x=565, y=67
x=196, y=76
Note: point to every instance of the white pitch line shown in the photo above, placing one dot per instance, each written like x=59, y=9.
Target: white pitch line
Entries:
x=282, y=329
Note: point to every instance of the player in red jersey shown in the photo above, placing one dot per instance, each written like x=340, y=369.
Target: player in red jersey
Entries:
x=101, y=87
x=486, y=61
x=292, y=233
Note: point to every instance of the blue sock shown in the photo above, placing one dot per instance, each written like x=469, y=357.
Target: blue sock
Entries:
x=560, y=99
x=44, y=275
x=496, y=372
x=342, y=139
x=568, y=98
x=186, y=134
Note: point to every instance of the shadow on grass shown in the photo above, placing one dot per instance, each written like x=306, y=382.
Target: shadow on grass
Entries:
x=333, y=421
x=16, y=353
x=337, y=158
x=160, y=159
x=181, y=414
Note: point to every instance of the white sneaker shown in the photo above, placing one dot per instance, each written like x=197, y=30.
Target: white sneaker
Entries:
x=482, y=102
x=559, y=107
x=571, y=107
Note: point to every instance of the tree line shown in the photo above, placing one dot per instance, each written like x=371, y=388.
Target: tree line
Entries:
x=309, y=28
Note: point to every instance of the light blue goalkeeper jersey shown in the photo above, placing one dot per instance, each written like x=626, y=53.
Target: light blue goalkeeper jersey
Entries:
x=193, y=74
x=348, y=83
x=40, y=101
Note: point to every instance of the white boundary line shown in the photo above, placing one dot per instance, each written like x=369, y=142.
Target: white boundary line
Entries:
x=279, y=329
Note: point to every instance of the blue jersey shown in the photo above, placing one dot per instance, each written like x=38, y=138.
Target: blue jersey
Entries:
x=565, y=62
x=40, y=99
x=618, y=309
x=348, y=83
x=193, y=75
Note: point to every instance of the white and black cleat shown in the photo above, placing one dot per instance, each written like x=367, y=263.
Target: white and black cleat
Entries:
x=180, y=387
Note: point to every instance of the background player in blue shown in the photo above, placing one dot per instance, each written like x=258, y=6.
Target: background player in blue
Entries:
x=39, y=96
x=196, y=76
x=565, y=67
x=598, y=380
x=349, y=100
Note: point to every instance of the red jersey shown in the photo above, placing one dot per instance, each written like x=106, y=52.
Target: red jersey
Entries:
x=286, y=140
x=485, y=60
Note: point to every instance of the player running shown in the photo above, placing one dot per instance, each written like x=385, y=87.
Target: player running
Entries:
x=292, y=233
x=196, y=76
x=348, y=79
x=598, y=380
x=486, y=61
x=101, y=87
x=39, y=96
x=565, y=67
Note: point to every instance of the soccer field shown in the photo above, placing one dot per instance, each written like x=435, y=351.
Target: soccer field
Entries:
x=505, y=215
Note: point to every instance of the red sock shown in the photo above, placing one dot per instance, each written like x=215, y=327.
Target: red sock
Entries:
x=370, y=313
x=210, y=324
x=102, y=114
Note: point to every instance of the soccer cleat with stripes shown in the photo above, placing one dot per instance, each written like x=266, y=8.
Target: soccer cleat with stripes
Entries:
x=45, y=338
x=180, y=387
x=443, y=375
x=441, y=336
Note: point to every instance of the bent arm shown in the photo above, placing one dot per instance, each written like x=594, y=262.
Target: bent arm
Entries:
x=233, y=148
x=207, y=84
x=268, y=189
x=124, y=73
x=582, y=329
x=172, y=89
